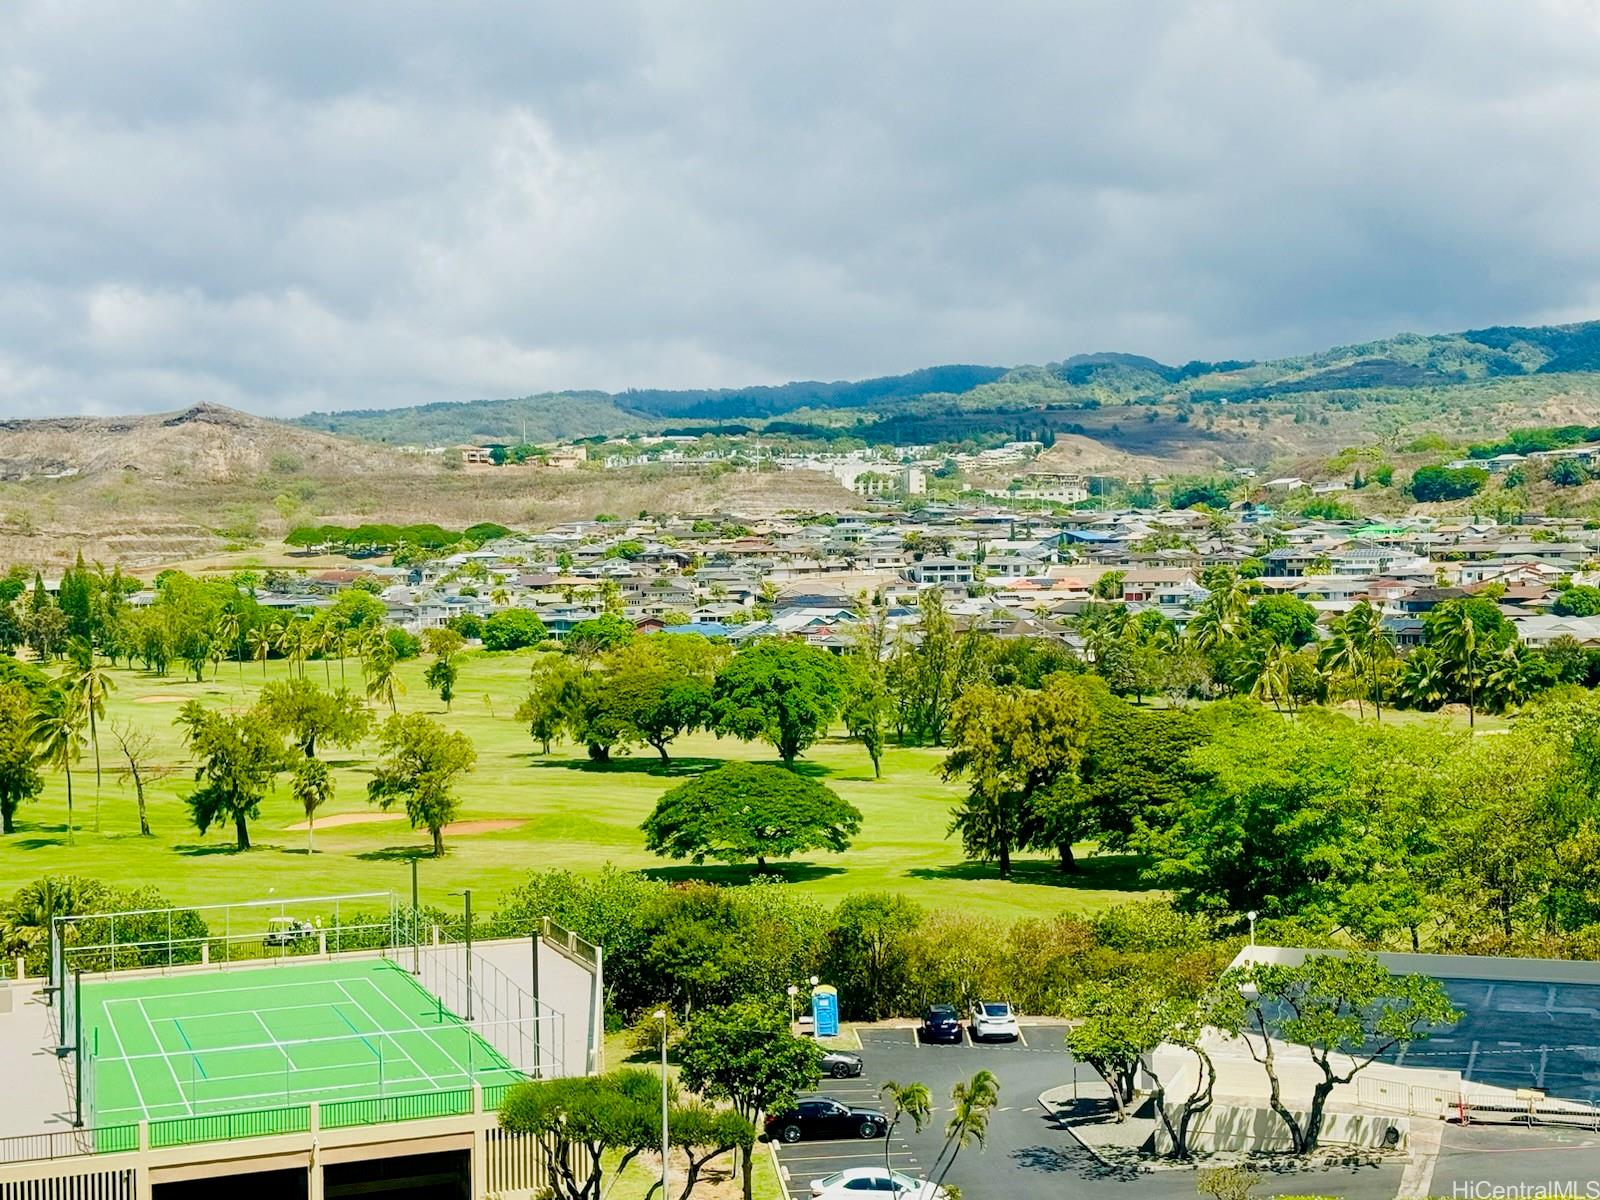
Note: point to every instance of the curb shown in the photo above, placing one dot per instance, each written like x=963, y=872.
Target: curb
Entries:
x=777, y=1168
x=1050, y=1108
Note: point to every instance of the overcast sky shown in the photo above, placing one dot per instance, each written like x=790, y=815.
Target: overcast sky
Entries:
x=285, y=206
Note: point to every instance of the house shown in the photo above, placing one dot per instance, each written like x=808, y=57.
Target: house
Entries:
x=940, y=571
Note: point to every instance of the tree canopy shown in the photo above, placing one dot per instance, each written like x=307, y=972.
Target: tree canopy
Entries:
x=743, y=811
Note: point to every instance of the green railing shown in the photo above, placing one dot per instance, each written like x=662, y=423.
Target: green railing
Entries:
x=416, y=1106
x=494, y=1095
x=251, y=1123
x=230, y=1126
x=114, y=1139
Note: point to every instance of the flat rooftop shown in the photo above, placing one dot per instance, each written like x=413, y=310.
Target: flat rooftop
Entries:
x=1519, y=1034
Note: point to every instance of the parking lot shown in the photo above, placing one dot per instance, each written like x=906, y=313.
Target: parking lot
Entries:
x=1023, y=1145
x=1027, y=1155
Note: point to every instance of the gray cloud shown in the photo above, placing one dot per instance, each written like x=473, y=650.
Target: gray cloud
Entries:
x=300, y=205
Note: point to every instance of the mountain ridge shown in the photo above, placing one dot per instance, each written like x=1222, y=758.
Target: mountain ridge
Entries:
x=1403, y=362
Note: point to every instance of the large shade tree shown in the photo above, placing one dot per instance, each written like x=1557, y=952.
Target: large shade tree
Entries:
x=423, y=760
x=784, y=692
x=237, y=758
x=740, y=812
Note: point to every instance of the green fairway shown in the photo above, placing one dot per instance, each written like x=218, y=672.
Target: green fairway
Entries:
x=206, y=1042
x=520, y=811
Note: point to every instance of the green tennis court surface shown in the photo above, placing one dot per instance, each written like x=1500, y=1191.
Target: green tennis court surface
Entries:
x=218, y=1041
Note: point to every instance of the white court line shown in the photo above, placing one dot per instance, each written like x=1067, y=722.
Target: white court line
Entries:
x=111, y=1027
x=171, y=1070
x=419, y=1028
x=247, y=987
x=415, y=1064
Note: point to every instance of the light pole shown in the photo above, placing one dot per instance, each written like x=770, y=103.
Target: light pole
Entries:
x=1252, y=915
x=466, y=899
x=661, y=1015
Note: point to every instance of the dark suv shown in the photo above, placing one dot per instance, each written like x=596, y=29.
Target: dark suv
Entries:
x=941, y=1023
x=821, y=1117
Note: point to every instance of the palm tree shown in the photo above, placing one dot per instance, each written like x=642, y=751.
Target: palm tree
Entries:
x=87, y=685
x=383, y=684
x=910, y=1100
x=1363, y=625
x=341, y=646
x=974, y=1100
x=327, y=640
x=1422, y=680
x=1223, y=617
x=1458, y=636
x=57, y=730
x=25, y=921
x=260, y=642
x=227, y=634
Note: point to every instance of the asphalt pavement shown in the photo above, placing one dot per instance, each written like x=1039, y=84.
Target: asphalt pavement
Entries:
x=1027, y=1155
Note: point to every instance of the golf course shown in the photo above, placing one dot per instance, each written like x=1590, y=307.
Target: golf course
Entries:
x=520, y=810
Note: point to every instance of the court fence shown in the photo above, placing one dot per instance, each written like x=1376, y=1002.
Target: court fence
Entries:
x=238, y=932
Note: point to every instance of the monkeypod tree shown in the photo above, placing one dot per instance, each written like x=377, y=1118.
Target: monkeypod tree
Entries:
x=743, y=811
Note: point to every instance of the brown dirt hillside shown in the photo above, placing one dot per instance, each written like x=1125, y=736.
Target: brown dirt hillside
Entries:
x=211, y=484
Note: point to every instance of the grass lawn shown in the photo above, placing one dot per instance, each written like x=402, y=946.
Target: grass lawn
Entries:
x=521, y=811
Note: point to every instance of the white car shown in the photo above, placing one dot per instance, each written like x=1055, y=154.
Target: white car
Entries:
x=994, y=1019
x=874, y=1181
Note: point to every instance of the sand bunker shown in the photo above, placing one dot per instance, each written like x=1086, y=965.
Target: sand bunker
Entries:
x=460, y=827
x=338, y=819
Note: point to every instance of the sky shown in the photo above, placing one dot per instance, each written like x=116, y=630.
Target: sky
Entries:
x=304, y=205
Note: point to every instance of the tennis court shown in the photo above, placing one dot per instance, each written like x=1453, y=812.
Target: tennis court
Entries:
x=217, y=1041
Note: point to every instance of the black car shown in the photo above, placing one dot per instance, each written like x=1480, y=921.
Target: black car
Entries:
x=941, y=1023
x=822, y=1117
x=841, y=1064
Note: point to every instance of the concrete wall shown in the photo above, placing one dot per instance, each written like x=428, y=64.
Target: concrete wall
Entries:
x=1246, y=1127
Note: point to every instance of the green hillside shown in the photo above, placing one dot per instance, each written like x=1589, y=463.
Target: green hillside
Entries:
x=1472, y=378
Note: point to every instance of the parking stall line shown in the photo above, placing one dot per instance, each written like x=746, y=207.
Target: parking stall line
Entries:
x=1021, y=1038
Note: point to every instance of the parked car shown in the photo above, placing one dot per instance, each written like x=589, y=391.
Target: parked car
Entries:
x=841, y=1064
x=824, y=1117
x=994, y=1019
x=874, y=1181
x=286, y=931
x=941, y=1023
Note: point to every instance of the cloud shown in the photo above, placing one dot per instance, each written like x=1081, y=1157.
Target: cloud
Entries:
x=305, y=205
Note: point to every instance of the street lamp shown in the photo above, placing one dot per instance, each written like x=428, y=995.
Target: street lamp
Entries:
x=661, y=1015
x=1252, y=915
x=466, y=899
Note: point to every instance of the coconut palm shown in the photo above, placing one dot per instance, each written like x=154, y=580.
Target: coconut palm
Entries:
x=57, y=731
x=26, y=919
x=974, y=1101
x=383, y=684
x=1461, y=645
x=905, y=1100
x=1422, y=679
x=228, y=633
x=259, y=641
x=1223, y=617
x=87, y=684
